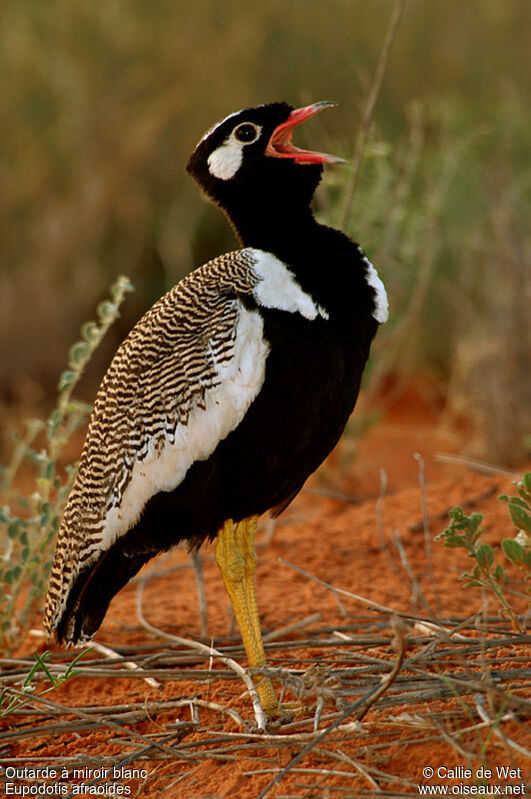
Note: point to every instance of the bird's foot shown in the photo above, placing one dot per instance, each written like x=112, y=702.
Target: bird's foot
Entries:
x=282, y=714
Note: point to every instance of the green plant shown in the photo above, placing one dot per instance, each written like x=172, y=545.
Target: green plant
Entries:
x=28, y=525
x=12, y=699
x=518, y=549
x=465, y=532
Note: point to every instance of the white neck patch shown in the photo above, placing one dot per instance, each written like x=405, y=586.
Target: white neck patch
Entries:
x=381, y=310
x=278, y=287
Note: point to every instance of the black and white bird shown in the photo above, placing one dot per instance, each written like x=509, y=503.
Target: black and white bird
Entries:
x=229, y=392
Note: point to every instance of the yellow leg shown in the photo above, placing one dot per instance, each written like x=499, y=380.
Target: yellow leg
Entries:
x=236, y=558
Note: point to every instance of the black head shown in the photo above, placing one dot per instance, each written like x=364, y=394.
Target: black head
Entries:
x=247, y=163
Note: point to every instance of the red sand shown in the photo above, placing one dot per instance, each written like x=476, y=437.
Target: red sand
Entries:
x=340, y=543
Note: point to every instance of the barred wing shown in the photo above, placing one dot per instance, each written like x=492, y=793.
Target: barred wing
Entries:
x=180, y=382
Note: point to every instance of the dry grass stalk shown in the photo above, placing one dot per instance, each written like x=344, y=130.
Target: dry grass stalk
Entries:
x=207, y=651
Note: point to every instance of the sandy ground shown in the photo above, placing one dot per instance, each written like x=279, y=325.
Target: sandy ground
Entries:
x=349, y=532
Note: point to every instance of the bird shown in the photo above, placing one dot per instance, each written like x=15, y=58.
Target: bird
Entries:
x=229, y=392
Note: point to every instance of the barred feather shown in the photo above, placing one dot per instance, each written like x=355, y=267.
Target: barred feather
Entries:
x=160, y=374
x=179, y=383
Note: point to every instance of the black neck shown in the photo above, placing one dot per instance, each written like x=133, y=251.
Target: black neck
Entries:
x=277, y=229
x=270, y=208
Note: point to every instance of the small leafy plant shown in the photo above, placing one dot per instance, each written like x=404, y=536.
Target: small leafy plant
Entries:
x=28, y=525
x=465, y=532
x=11, y=699
x=518, y=549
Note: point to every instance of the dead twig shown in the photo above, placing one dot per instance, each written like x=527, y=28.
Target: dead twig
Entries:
x=102, y=721
x=476, y=465
x=368, y=111
x=362, y=705
x=380, y=526
x=110, y=653
x=416, y=590
x=399, y=630
x=228, y=711
x=341, y=591
x=471, y=502
x=291, y=628
x=197, y=562
x=494, y=726
x=208, y=651
x=426, y=529
x=339, y=755
x=331, y=493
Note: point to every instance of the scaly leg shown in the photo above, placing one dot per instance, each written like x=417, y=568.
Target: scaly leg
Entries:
x=236, y=558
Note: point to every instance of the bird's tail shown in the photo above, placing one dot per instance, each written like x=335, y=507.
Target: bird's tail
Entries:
x=73, y=616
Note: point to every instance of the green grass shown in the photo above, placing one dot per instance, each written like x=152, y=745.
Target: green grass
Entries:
x=29, y=523
x=449, y=238
x=13, y=699
x=465, y=532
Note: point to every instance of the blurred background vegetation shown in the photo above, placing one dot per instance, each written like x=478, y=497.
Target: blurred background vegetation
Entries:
x=102, y=102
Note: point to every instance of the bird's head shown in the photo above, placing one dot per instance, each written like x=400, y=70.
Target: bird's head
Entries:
x=249, y=158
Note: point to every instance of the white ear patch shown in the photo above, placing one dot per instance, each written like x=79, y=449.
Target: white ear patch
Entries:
x=225, y=161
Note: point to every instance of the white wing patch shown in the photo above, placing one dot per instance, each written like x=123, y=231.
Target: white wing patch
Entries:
x=381, y=310
x=240, y=380
x=279, y=289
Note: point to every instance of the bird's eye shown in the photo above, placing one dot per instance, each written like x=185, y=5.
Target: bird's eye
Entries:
x=247, y=132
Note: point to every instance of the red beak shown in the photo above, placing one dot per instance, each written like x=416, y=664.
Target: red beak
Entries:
x=280, y=144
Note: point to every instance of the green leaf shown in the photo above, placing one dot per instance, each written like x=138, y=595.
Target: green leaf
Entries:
x=68, y=378
x=90, y=332
x=107, y=311
x=516, y=500
x=450, y=535
x=485, y=556
x=520, y=517
x=41, y=662
x=78, y=353
x=513, y=550
x=54, y=420
x=13, y=529
x=121, y=287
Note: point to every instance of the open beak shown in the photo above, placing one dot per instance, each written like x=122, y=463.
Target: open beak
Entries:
x=281, y=146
